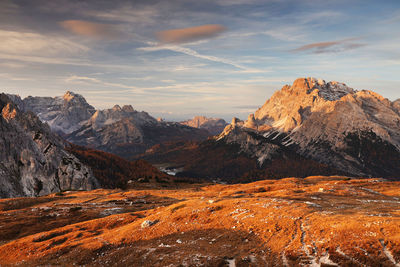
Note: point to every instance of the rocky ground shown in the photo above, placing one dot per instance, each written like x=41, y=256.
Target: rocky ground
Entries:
x=317, y=221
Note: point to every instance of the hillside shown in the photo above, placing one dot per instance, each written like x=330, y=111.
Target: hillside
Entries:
x=317, y=221
x=113, y=171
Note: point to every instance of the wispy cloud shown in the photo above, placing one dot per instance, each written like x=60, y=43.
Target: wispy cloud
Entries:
x=25, y=43
x=91, y=29
x=8, y=7
x=131, y=13
x=236, y=2
x=331, y=46
x=247, y=107
x=190, y=52
x=11, y=77
x=83, y=79
x=191, y=34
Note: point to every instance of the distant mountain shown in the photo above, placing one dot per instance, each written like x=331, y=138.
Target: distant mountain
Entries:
x=213, y=125
x=33, y=160
x=311, y=127
x=122, y=131
x=63, y=114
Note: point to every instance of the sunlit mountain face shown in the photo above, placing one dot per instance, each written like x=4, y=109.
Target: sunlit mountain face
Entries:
x=179, y=59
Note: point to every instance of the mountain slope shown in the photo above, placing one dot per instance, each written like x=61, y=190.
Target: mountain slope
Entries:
x=33, y=160
x=114, y=172
x=229, y=159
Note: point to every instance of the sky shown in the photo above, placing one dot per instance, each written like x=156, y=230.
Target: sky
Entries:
x=176, y=59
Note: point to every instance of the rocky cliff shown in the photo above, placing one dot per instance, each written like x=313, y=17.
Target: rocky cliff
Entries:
x=32, y=159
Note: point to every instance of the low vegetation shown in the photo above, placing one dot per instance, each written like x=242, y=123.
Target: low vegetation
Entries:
x=316, y=221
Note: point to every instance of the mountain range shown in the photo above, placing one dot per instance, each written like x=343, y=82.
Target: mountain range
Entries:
x=308, y=128
x=119, y=130
x=36, y=161
x=311, y=127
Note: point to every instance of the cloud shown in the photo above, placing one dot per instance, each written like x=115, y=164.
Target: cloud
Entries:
x=29, y=43
x=84, y=80
x=240, y=2
x=190, y=52
x=246, y=107
x=8, y=7
x=331, y=46
x=91, y=29
x=185, y=35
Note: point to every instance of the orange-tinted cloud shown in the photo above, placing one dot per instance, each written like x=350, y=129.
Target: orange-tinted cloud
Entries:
x=190, y=34
x=333, y=46
x=317, y=45
x=91, y=29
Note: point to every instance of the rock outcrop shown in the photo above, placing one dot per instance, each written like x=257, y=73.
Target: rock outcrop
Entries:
x=32, y=159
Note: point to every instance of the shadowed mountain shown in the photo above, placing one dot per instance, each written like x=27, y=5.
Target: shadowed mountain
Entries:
x=33, y=160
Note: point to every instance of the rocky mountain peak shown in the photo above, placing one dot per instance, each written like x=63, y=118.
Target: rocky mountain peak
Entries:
x=330, y=91
x=68, y=95
x=128, y=108
x=116, y=108
x=289, y=107
x=62, y=113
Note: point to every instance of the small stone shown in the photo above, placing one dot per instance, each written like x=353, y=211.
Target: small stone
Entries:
x=148, y=223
